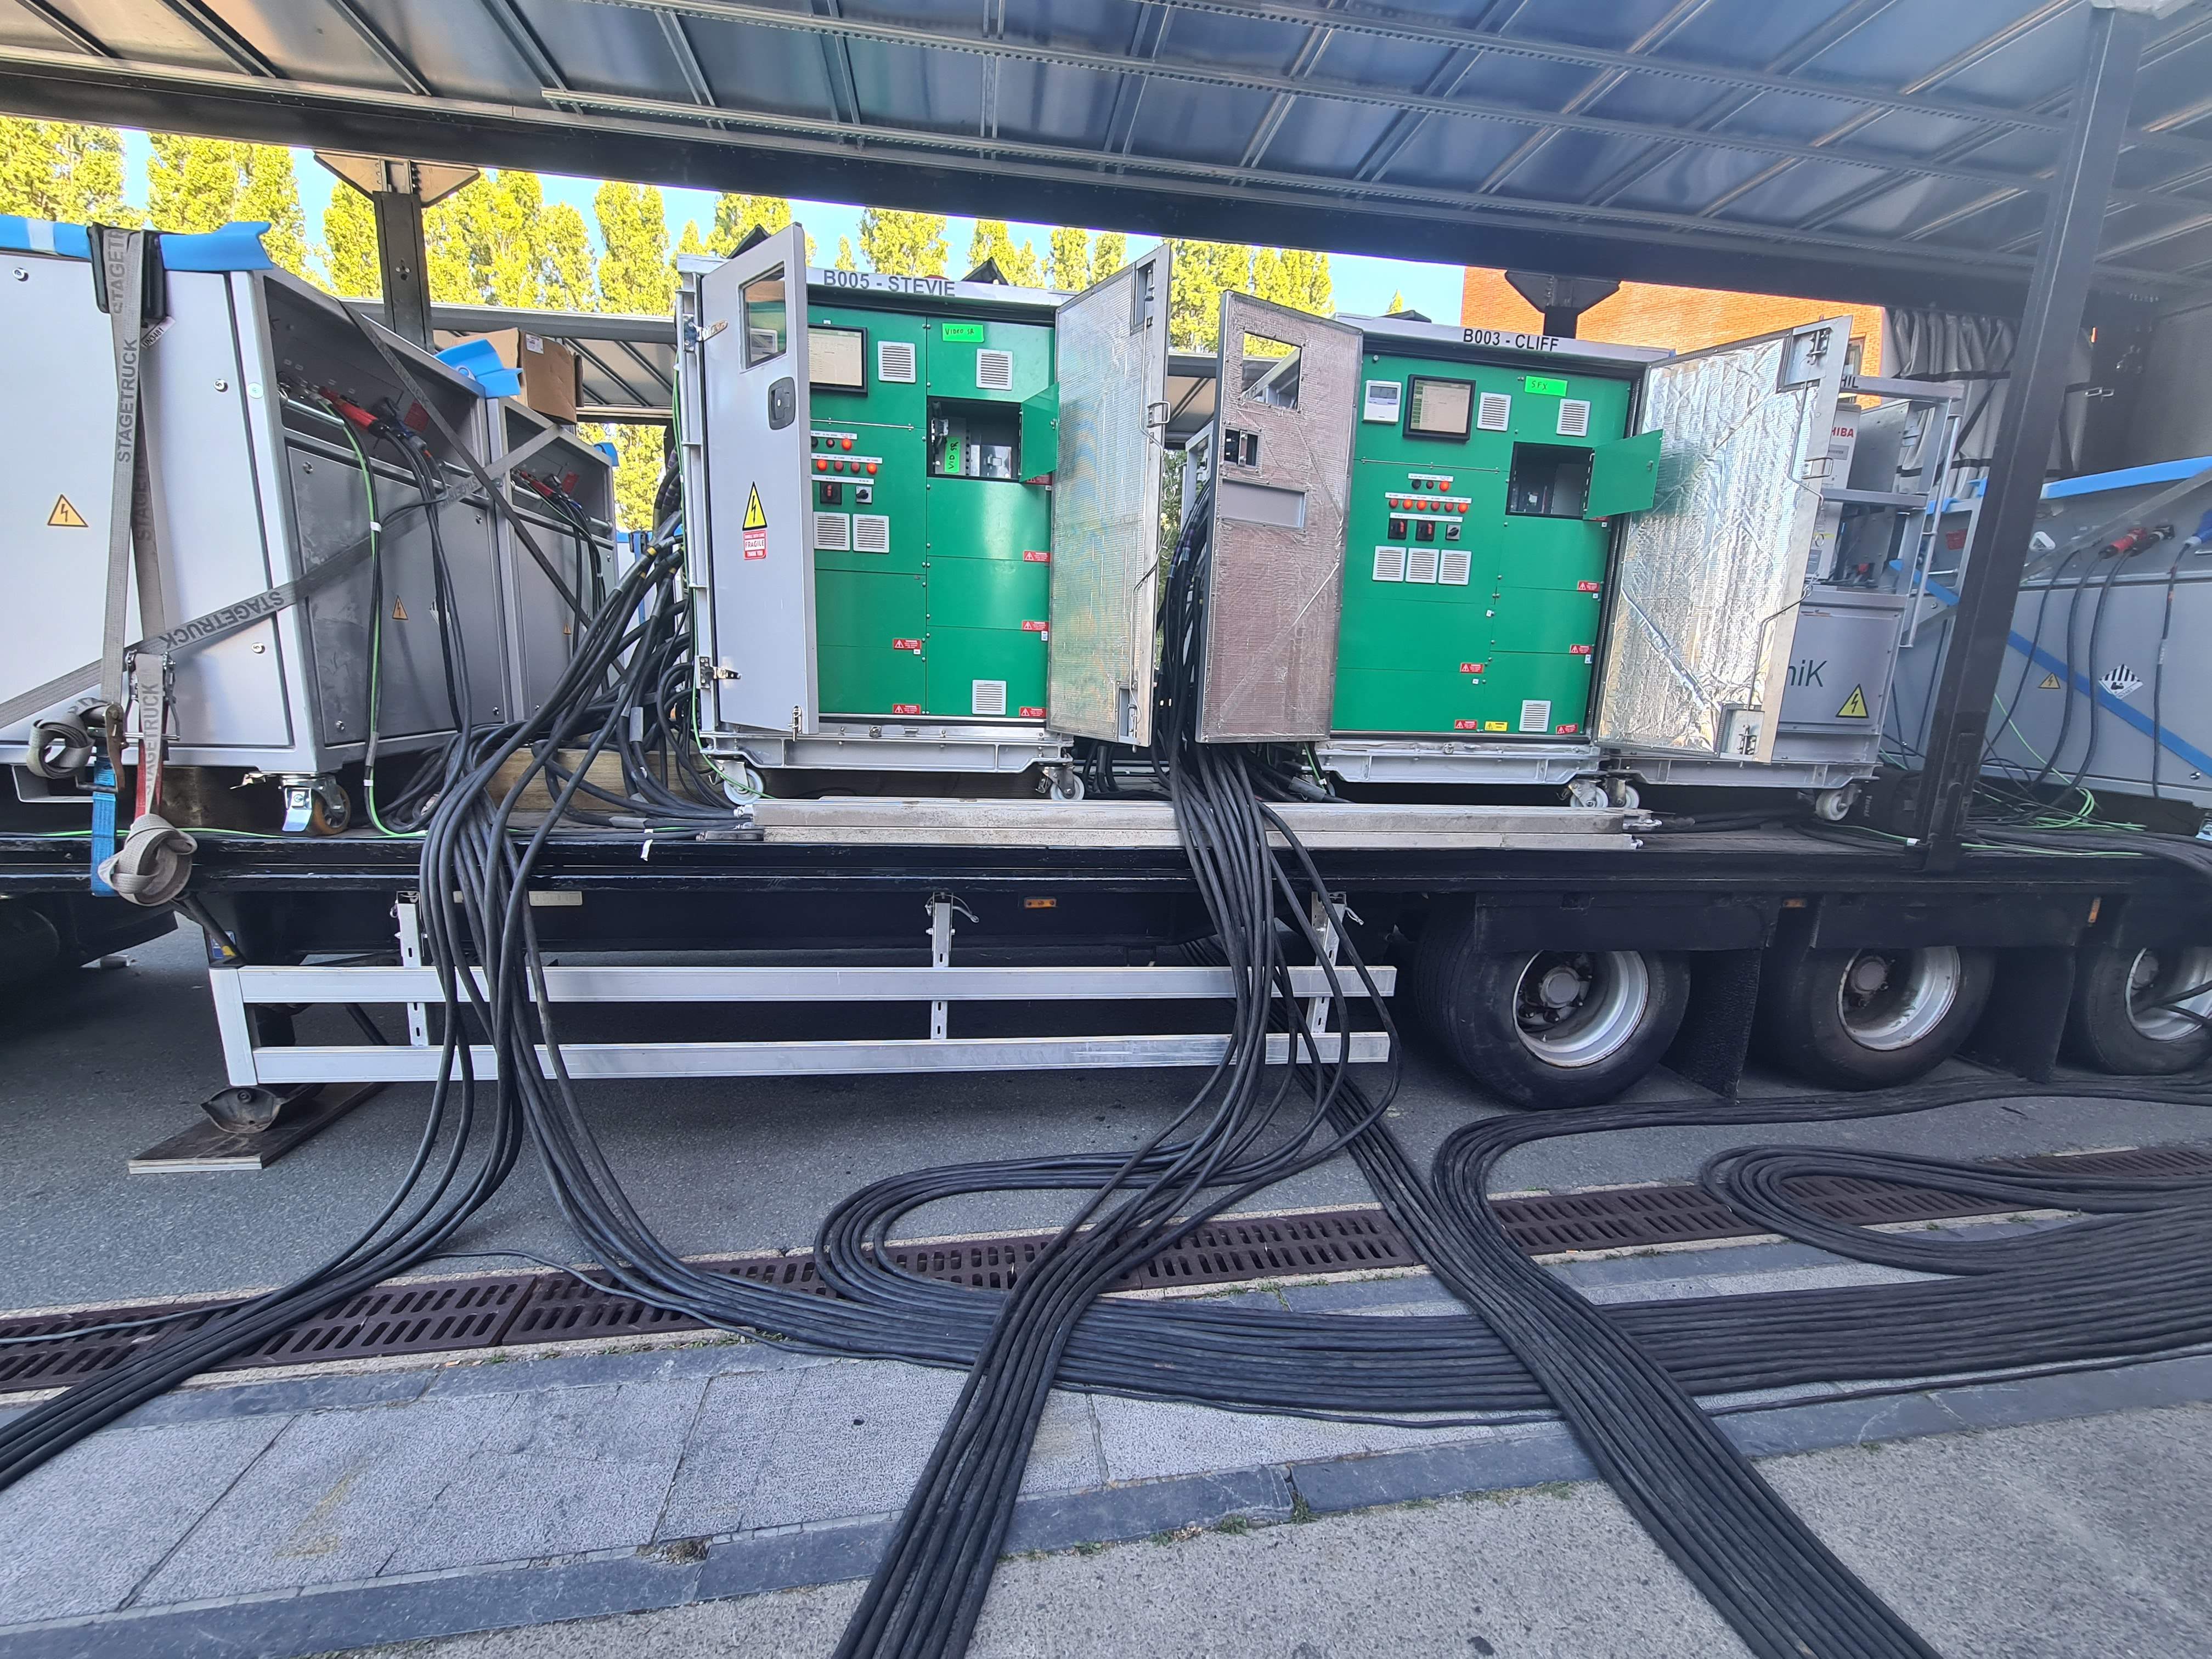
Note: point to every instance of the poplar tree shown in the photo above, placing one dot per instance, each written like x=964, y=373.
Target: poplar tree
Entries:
x=1108, y=253
x=737, y=215
x=1016, y=261
x=635, y=276
x=349, y=247
x=904, y=244
x=63, y=171
x=1071, y=259
x=199, y=185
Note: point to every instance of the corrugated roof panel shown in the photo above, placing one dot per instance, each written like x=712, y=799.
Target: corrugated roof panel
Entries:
x=1374, y=129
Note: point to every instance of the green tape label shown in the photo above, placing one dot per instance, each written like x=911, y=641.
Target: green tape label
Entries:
x=973, y=331
x=1538, y=384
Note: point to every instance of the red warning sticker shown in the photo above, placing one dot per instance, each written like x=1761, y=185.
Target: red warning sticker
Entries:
x=913, y=646
x=1569, y=729
x=1580, y=650
x=1035, y=627
x=1033, y=557
x=757, y=544
x=906, y=708
x=1466, y=726
x=1030, y=712
x=1471, y=667
x=1588, y=587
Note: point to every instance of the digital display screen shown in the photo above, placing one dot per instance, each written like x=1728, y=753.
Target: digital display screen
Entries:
x=837, y=357
x=1439, y=409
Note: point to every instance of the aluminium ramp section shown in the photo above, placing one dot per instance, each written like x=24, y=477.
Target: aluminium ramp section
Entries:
x=1323, y=826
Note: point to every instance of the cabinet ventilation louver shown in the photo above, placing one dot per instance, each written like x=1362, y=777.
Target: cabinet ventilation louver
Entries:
x=1574, y=417
x=895, y=361
x=833, y=533
x=994, y=370
x=1495, y=412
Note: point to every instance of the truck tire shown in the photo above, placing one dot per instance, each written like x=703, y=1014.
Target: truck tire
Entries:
x=1868, y=1019
x=2142, y=1013
x=1556, y=1028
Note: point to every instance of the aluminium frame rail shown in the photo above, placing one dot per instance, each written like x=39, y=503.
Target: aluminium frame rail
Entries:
x=237, y=989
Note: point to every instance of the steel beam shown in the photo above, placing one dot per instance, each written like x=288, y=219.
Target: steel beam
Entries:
x=403, y=262
x=2057, y=294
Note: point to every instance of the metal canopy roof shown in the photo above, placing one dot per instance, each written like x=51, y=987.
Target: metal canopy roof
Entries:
x=1870, y=149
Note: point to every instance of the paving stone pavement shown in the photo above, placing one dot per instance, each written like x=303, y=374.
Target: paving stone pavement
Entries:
x=293, y=1516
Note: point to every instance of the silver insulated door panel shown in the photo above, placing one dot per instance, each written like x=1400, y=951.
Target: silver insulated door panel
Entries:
x=1112, y=349
x=54, y=491
x=1707, y=581
x=1274, y=590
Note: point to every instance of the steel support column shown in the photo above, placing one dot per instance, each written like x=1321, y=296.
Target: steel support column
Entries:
x=398, y=191
x=403, y=262
x=2057, y=292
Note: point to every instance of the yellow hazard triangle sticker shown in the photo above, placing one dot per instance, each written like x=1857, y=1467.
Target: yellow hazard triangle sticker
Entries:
x=1854, y=707
x=65, y=517
x=2050, y=683
x=398, y=611
x=755, y=518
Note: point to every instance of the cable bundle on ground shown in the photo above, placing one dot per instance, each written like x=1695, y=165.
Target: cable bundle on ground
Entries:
x=1622, y=1375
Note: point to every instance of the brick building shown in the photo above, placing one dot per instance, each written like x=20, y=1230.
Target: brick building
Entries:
x=1652, y=314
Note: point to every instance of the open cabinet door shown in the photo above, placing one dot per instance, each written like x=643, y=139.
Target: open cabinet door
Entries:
x=1282, y=471
x=1111, y=343
x=752, y=425
x=1708, y=579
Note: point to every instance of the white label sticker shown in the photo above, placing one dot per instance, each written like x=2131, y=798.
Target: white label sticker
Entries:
x=1536, y=715
x=1382, y=402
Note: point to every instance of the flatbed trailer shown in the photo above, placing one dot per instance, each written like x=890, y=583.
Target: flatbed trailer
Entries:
x=1080, y=941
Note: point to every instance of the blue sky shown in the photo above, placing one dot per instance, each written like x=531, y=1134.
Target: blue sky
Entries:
x=1361, y=284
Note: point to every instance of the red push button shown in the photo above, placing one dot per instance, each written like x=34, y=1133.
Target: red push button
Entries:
x=821, y=465
x=872, y=466
x=849, y=443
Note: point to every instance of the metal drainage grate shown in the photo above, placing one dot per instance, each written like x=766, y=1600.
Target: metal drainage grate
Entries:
x=432, y=1317
x=456, y=1316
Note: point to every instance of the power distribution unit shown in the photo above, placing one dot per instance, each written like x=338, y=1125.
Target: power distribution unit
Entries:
x=561, y=489
x=254, y=483
x=2107, y=679
x=1559, y=557
x=894, y=488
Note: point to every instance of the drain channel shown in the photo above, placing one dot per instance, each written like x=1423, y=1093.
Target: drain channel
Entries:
x=456, y=1316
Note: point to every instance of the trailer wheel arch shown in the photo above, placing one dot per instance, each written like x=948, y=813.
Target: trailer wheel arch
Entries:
x=2140, y=1012
x=1550, y=1029
x=1868, y=1019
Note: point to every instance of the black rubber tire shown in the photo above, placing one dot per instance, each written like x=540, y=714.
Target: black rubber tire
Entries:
x=1799, y=1027
x=2101, y=1035
x=1467, y=997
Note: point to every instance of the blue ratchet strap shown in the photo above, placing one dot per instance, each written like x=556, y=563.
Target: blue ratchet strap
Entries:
x=103, y=819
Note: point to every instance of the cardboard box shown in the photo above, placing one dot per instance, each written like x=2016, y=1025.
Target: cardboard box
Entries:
x=548, y=370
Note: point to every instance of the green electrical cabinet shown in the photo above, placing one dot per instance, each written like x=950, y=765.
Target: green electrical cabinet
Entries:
x=1477, y=541
x=931, y=442
x=890, y=484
